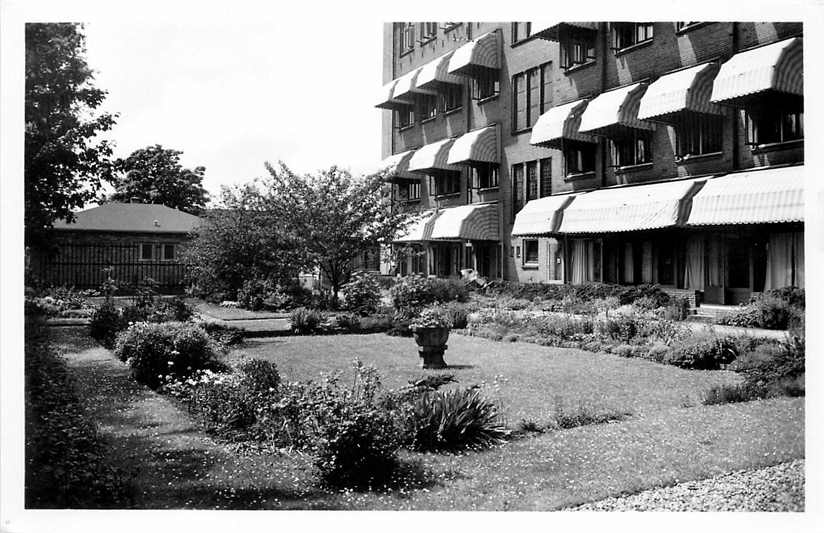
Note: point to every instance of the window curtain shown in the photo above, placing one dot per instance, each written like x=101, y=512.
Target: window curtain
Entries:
x=715, y=277
x=798, y=258
x=628, y=275
x=694, y=273
x=580, y=260
x=779, y=261
x=646, y=262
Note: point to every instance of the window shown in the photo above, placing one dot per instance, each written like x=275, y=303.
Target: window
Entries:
x=579, y=158
x=428, y=31
x=699, y=134
x=168, y=252
x=517, y=188
x=486, y=85
x=546, y=177
x=530, y=252
x=532, y=95
x=452, y=97
x=626, y=34
x=577, y=48
x=407, y=37
x=771, y=124
x=409, y=191
x=634, y=149
x=447, y=183
x=485, y=176
x=406, y=117
x=521, y=31
x=146, y=251
x=427, y=106
x=531, y=180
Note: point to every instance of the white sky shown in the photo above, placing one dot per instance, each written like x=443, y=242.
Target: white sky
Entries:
x=232, y=95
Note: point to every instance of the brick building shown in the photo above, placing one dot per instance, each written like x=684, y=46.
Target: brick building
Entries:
x=631, y=152
x=136, y=241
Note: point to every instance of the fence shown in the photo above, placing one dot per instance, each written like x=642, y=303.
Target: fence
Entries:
x=82, y=266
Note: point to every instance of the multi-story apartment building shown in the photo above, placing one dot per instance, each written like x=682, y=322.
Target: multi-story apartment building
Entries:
x=623, y=152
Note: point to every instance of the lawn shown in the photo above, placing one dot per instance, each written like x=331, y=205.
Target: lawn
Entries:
x=527, y=379
x=178, y=466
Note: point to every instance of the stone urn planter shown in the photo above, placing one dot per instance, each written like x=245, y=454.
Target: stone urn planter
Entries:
x=431, y=345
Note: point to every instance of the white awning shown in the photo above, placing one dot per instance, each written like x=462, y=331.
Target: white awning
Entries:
x=541, y=216
x=549, y=30
x=614, y=109
x=436, y=71
x=407, y=86
x=477, y=146
x=558, y=123
x=685, y=90
x=394, y=167
x=419, y=228
x=433, y=156
x=629, y=208
x=476, y=55
x=386, y=100
x=474, y=222
x=754, y=197
x=775, y=67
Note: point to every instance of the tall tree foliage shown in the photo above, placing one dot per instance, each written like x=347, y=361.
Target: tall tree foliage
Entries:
x=154, y=175
x=335, y=215
x=64, y=159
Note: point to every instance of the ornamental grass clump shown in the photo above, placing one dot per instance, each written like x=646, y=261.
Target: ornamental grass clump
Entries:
x=305, y=321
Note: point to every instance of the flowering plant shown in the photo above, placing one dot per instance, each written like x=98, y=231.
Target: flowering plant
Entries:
x=432, y=317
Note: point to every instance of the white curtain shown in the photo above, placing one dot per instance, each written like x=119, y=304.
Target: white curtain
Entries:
x=629, y=264
x=779, y=261
x=715, y=274
x=583, y=267
x=694, y=273
x=798, y=258
x=646, y=262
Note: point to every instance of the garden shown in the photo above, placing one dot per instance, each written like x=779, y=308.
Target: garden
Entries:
x=541, y=380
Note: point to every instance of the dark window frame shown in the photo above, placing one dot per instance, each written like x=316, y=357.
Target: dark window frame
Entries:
x=143, y=246
x=452, y=97
x=585, y=157
x=626, y=35
x=407, y=43
x=531, y=254
x=768, y=125
x=486, y=86
x=485, y=176
x=445, y=184
x=577, y=48
x=633, y=149
x=698, y=134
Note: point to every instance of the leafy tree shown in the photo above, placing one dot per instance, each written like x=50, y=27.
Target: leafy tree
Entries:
x=64, y=159
x=240, y=240
x=336, y=216
x=154, y=175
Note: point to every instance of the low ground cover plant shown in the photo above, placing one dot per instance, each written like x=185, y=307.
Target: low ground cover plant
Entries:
x=60, y=301
x=65, y=455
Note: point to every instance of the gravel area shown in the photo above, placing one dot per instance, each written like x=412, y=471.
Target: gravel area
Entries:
x=775, y=488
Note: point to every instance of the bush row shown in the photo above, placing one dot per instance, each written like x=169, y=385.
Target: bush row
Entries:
x=587, y=292
x=776, y=309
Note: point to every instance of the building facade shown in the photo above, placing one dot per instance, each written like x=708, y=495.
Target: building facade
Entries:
x=574, y=152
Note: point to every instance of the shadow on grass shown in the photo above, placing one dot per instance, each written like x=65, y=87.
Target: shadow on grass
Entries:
x=459, y=367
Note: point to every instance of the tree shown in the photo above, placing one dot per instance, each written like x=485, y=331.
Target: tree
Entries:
x=240, y=241
x=336, y=216
x=154, y=175
x=64, y=159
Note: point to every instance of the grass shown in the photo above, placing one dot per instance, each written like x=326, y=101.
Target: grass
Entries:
x=231, y=313
x=180, y=467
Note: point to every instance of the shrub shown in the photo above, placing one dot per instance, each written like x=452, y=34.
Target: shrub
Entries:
x=529, y=426
x=253, y=292
x=431, y=317
x=779, y=367
x=135, y=313
x=105, y=323
x=416, y=292
x=743, y=392
x=362, y=294
x=174, y=310
x=454, y=420
x=658, y=352
x=259, y=376
x=678, y=309
x=771, y=310
x=348, y=321
x=222, y=405
x=223, y=335
x=457, y=314
x=156, y=350
x=703, y=352
x=622, y=328
x=305, y=321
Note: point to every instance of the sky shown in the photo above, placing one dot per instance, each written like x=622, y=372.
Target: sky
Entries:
x=233, y=95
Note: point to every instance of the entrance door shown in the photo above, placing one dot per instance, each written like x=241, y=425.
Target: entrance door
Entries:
x=738, y=268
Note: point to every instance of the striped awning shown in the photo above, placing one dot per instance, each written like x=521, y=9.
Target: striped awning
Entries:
x=395, y=167
x=613, y=109
x=558, y=123
x=477, y=146
x=685, y=90
x=754, y=197
x=386, y=100
x=549, y=30
x=436, y=71
x=433, y=156
x=541, y=216
x=480, y=54
x=407, y=86
x=474, y=222
x=419, y=228
x=629, y=208
x=775, y=67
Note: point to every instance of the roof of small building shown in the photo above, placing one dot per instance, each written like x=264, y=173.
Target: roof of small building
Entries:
x=131, y=217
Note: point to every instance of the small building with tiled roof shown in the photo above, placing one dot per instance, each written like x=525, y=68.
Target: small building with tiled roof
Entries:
x=134, y=241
